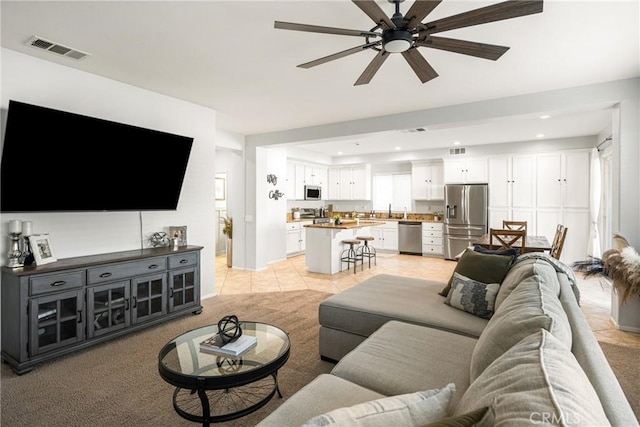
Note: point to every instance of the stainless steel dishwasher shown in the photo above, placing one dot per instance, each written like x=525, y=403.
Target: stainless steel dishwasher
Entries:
x=410, y=237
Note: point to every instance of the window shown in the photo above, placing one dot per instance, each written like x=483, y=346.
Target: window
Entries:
x=394, y=189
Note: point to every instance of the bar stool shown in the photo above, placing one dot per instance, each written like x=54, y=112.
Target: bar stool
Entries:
x=367, y=251
x=350, y=255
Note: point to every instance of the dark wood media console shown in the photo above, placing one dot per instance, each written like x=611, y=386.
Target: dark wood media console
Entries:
x=58, y=308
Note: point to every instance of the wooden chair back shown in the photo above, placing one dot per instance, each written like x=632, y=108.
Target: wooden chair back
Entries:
x=507, y=239
x=558, y=241
x=514, y=225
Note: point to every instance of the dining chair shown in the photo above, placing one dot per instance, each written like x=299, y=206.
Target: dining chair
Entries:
x=507, y=239
x=558, y=241
x=514, y=225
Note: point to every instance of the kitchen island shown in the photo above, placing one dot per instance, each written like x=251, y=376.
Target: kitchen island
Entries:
x=324, y=243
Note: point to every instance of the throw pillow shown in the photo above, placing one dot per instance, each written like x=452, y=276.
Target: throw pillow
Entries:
x=505, y=252
x=485, y=268
x=472, y=296
x=411, y=409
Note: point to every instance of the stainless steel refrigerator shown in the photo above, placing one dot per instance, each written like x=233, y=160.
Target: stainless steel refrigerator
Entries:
x=465, y=216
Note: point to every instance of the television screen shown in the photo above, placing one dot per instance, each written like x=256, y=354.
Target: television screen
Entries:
x=56, y=161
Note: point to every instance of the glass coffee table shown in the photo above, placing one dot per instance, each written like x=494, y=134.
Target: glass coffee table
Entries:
x=213, y=388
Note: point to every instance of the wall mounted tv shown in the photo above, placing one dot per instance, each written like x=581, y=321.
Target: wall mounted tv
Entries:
x=56, y=161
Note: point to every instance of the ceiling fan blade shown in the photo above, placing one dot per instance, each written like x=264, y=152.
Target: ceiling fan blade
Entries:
x=480, y=50
x=371, y=8
x=372, y=68
x=419, y=64
x=338, y=55
x=324, y=30
x=419, y=10
x=497, y=12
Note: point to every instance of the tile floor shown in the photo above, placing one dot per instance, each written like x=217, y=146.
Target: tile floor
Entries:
x=292, y=274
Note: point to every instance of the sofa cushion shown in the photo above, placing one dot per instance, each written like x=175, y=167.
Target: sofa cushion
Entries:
x=393, y=360
x=472, y=296
x=537, y=381
x=506, y=252
x=470, y=419
x=325, y=393
x=485, y=268
x=363, y=308
x=532, y=305
x=411, y=409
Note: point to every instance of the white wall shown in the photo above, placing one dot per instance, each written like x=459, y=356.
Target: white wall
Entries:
x=35, y=81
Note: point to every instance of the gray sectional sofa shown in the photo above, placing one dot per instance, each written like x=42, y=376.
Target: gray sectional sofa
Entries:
x=405, y=357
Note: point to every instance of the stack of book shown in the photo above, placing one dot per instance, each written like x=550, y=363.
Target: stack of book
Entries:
x=236, y=348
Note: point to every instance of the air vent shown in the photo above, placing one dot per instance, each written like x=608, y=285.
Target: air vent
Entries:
x=457, y=151
x=58, y=49
x=416, y=130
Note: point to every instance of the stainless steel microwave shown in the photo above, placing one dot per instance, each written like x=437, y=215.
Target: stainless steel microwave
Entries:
x=312, y=192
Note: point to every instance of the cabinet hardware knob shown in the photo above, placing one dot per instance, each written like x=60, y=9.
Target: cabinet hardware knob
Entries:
x=126, y=304
x=135, y=302
x=105, y=275
x=153, y=266
x=79, y=317
x=59, y=283
x=184, y=261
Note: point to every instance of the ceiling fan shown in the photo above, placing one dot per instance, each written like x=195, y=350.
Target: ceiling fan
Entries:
x=405, y=33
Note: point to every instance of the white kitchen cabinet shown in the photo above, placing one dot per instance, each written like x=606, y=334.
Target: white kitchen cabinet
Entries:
x=512, y=189
x=301, y=174
x=349, y=183
x=432, y=243
x=465, y=171
x=427, y=181
x=386, y=236
x=563, y=180
x=296, y=237
x=315, y=175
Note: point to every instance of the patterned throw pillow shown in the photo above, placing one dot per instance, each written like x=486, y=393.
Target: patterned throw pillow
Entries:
x=472, y=296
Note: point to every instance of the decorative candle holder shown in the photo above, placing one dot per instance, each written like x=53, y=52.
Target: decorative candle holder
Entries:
x=14, y=251
x=27, y=255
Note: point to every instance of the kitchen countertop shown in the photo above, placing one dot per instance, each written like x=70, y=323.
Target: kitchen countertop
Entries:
x=346, y=225
x=373, y=219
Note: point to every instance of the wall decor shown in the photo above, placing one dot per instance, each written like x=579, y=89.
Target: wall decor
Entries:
x=272, y=179
x=220, y=189
x=179, y=235
x=42, y=250
x=275, y=194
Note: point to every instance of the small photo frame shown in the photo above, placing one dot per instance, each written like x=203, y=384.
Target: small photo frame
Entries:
x=220, y=189
x=41, y=248
x=178, y=233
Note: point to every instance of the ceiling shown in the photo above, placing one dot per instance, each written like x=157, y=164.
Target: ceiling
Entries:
x=226, y=55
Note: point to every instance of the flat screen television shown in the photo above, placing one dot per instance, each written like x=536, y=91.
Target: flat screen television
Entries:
x=56, y=161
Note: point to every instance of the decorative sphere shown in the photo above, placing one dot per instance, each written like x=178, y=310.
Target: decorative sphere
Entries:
x=229, y=329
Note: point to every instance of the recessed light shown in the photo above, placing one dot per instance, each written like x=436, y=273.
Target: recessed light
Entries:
x=540, y=135
x=456, y=142
x=398, y=148
x=339, y=153
x=545, y=116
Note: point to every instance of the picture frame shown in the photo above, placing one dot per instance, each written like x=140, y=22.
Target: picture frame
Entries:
x=42, y=249
x=179, y=232
x=220, y=189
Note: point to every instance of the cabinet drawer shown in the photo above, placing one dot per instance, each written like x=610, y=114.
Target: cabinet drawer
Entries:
x=183, y=260
x=123, y=270
x=293, y=226
x=432, y=241
x=431, y=226
x=46, y=283
x=431, y=233
x=432, y=249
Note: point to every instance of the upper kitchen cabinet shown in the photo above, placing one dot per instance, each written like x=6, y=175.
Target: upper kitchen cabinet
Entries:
x=563, y=180
x=512, y=189
x=469, y=170
x=427, y=180
x=349, y=183
x=301, y=174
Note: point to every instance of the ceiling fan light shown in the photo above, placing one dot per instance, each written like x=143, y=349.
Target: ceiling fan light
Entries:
x=396, y=41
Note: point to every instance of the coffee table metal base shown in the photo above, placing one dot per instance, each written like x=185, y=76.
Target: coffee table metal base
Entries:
x=216, y=406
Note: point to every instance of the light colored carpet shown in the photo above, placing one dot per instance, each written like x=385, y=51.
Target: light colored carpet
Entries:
x=117, y=383
x=624, y=362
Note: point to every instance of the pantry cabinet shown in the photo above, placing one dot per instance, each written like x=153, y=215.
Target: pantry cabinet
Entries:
x=427, y=180
x=512, y=189
x=471, y=170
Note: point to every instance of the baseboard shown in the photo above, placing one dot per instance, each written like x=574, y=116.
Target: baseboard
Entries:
x=624, y=328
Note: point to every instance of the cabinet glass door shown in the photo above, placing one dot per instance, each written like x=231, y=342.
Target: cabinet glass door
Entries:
x=149, y=297
x=55, y=321
x=182, y=289
x=108, y=308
